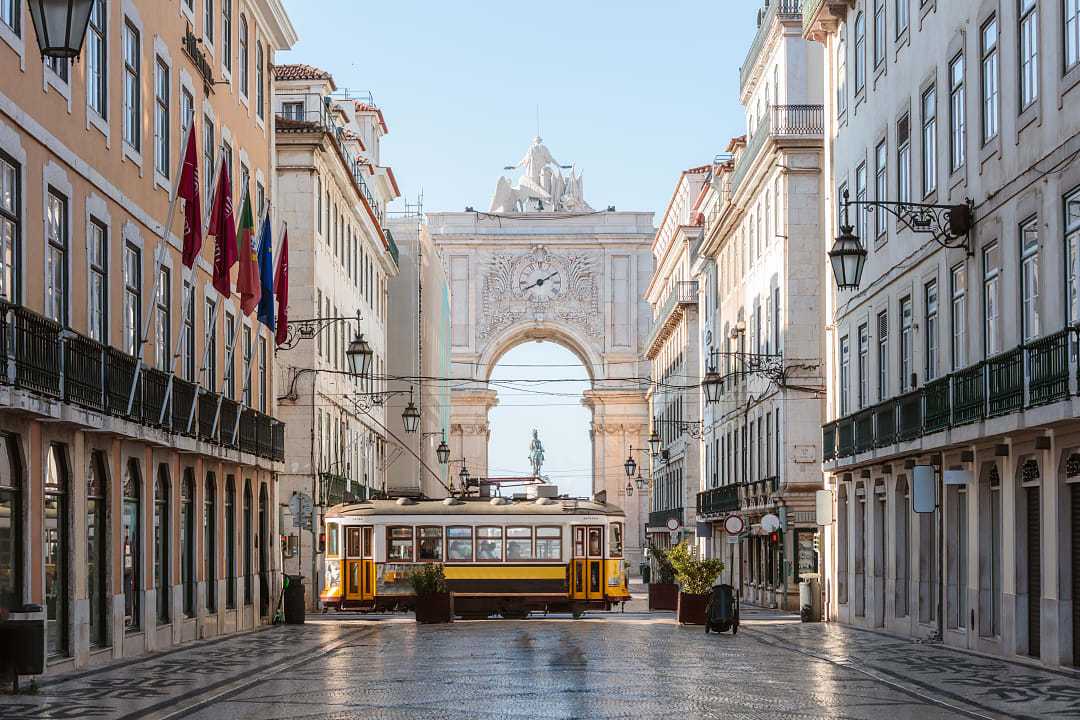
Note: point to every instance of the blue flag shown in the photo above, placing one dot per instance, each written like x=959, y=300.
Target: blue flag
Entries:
x=267, y=316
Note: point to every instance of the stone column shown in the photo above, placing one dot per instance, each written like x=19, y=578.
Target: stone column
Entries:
x=470, y=431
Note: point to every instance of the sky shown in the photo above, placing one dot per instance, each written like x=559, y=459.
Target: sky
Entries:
x=632, y=92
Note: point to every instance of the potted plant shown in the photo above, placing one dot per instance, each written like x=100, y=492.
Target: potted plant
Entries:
x=432, y=597
x=695, y=577
x=663, y=592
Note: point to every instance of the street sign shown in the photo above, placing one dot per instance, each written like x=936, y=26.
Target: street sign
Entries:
x=770, y=523
x=301, y=506
x=734, y=524
x=824, y=507
x=674, y=536
x=672, y=524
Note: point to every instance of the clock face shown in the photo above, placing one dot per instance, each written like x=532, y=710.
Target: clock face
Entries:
x=540, y=281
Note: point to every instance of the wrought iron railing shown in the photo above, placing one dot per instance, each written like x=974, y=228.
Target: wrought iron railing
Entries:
x=722, y=499
x=909, y=416
x=1005, y=378
x=37, y=352
x=84, y=367
x=789, y=121
x=659, y=518
x=936, y=396
x=845, y=437
x=828, y=441
x=968, y=395
x=885, y=423
x=864, y=431
x=1048, y=368
x=683, y=292
x=786, y=9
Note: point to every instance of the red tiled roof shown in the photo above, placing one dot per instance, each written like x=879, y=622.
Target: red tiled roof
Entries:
x=301, y=72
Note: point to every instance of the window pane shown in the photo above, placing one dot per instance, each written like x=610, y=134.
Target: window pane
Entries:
x=489, y=544
x=430, y=545
x=615, y=538
x=548, y=543
x=399, y=546
x=519, y=543
x=459, y=544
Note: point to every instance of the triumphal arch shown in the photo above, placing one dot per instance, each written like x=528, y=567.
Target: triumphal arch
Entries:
x=541, y=264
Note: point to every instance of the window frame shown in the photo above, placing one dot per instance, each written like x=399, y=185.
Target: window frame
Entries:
x=860, y=53
x=1029, y=258
x=990, y=67
x=1027, y=65
x=957, y=112
x=132, y=85
x=162, y=112
x=471, y=539
x=958, y=315
x=11, y=273
x=928, y=138
x=499, y=543
x=932, y=320
x=97, y=60
x=390, y=543
x=57, y=249
x=418, y=533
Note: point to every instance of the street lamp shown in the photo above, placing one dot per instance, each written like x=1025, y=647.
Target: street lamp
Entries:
x=60, y=26
x=629, y=489
x=359, y=356
x=443, y=451
x=712, y=385
x=630, y=466
x=463, y=476
x=848, y=257
x=410, y=417
x=654, y=442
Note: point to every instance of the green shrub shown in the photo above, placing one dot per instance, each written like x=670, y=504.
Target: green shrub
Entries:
x=694, y=575
x=665, y=573
x=428, y=579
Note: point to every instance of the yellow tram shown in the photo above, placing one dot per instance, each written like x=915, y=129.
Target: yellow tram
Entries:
x=499, y=554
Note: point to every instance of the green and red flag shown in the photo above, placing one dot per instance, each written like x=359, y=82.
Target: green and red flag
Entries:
x=248, y=284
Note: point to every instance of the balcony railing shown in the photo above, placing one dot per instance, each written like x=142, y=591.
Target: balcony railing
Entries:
x=787, y=10
x=682, y=293
x=394, y=252
x=1036, y=373
x=780, y=121
x=718, y=500
x=659, y=518
x=39, y=356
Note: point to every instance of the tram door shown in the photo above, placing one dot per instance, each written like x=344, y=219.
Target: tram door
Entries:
x=359, y=570
x=588, y=563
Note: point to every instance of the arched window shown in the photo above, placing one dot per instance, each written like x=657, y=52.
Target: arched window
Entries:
x=209, y=541
x=132, y=551
x=242, y=60
x=97, y=538
x=56, y=550
x=162, y=586
x=11, y=518
x=187, y=540
x=230, y=542
x=860, y=53
x=264, y=551
x=902, y=560
x=248, y=575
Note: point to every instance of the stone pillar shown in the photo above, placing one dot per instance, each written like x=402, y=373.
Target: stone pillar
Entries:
x=470, y=431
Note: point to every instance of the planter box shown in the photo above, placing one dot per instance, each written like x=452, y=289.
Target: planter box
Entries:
x=433, y=608
x=663, y=596
x=692, y=609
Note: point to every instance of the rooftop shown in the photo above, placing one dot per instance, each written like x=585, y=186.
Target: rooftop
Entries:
x=300, y=71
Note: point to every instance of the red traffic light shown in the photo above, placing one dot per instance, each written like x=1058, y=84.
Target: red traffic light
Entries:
x=774, y=537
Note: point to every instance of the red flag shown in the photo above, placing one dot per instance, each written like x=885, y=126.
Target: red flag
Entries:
x=188, y=191
x=281, y=289
x=222, y=227
x=247, y=279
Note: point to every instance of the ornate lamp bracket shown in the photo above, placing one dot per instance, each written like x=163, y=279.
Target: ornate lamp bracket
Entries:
x=948, y=225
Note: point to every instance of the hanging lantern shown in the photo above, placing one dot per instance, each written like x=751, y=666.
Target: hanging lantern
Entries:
x=60, y=25
x=410, y=417
x=443, y=451
x=630, y=466
x=359, y=356
x=713, y=386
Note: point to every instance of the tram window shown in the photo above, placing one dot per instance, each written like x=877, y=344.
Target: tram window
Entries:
x=595, y=542
x=352, y=542
x=548, y=543
x=429, y=544
x=459, y=544
x=399, y=544
x=615, y=540
x=332, y=540
x=489, y=544
x=519, y=543
x=579, y=542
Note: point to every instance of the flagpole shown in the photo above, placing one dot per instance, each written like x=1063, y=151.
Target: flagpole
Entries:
x=159, y=256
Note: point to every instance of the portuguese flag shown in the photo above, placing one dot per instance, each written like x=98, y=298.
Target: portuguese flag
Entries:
x=247, y=280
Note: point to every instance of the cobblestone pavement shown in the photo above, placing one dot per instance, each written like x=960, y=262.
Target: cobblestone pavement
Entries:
x=632, y=665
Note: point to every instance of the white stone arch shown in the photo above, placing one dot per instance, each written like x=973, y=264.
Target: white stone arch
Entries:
x=546, y=331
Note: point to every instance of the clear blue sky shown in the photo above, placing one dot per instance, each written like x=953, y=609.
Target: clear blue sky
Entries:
x=631, y=91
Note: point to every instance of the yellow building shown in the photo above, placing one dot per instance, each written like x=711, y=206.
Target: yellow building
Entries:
x=141, y=514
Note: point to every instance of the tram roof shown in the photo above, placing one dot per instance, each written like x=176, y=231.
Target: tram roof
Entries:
x=477, y=506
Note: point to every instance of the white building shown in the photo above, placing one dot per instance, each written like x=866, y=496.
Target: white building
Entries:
x=761, y=274
x=332, y=194
x=962, y=358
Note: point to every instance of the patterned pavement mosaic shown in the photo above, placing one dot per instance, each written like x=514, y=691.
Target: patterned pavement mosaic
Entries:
x=632, y=665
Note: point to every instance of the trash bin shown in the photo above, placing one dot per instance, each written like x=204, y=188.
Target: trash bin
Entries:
x=646, y=572
x=22, y=643
x=294, y=599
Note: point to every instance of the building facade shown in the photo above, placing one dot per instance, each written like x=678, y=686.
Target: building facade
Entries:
x=761, y=273
x=419, y=348
x=332, y=196
x=958, y=359
x=139, y=445
x=674, y=349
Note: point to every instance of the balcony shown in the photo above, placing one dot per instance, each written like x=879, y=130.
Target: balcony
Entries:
x=718, y=500
x=779, y=122
x=394, y=252
x=681, y=295
x=1036, y=373
x=39, y=356
x=790, y=10
x=659, y=518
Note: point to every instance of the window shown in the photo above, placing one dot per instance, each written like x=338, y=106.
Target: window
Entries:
x=930, y=297
x=209, y=168
x=489, y=544
x=188, y=340
x=260, y=200
x=209, y=541
x=10, y=14
x=187, y=541
x=132, y=297
x=399, y=544
x=132, y=109
x=131, y=553
x=841, y=76
x=881, y=224
x=906, y=344
x=210, y=345
x=163, y=322
x=10, y=225
x=903, y=159
x=226, y=34
x=549, y=543
x=459, y=544
x=230, y=542
x=56, y=286
x=844, y=374
x=429, y=546
x=988, y=51
x=615, y=539
x=97, y=539
x=902, y=16
x=929, y=140
x=991, y=300
x=61, y=67
x=1029, y=279
x=958, y=287
x=883, y=354
x=242, y=60
x=248, y=540
x=1029, y=53
x=161, y=118
x=957, y=113
x=229, y=380
x=56, y=551
x=97, y=58
x=162, y=583
x=879, y=32
x=1072, y=257
x=187, y=113
x=860, y=53
x=260, y=79
x=860, y=196
x=1072, y=34
x=519, y=543
x=864, y=365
